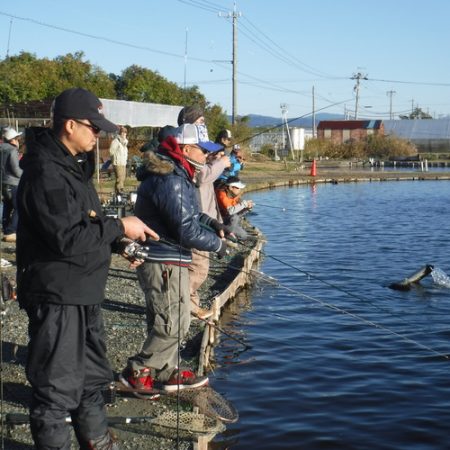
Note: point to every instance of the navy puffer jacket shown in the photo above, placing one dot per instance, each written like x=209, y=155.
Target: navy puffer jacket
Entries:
x=167, y=203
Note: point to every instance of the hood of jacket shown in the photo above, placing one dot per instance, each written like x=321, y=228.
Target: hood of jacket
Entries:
x=168, y=158
x=154, y=163
x=42, y=147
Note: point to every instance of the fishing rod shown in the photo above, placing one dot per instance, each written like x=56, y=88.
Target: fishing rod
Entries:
x=321, y=280
x=334, y=307
x=141, y=252
x=346, y=312
x=308, y=274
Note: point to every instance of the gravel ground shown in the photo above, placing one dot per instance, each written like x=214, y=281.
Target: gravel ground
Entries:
x=126, y=329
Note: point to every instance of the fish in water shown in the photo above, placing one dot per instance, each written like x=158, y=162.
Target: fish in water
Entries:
x=405, y=285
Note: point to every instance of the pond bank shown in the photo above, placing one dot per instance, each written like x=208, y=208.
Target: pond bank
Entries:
x=125, y=325
x=268, y=177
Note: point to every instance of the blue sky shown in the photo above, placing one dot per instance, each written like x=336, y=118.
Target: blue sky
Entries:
x=285, y=48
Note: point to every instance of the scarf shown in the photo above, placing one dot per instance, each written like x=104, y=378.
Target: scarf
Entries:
x=171, y=148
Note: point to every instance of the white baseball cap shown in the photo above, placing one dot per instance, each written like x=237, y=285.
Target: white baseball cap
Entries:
x=10, y=133
x=195, y=135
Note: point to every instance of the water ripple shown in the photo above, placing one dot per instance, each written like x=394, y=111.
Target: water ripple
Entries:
x=338, y=360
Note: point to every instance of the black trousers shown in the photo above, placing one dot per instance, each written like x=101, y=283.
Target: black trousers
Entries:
x=67, y=369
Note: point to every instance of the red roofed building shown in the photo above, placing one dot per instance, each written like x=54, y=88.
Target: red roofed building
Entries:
x=340, y=131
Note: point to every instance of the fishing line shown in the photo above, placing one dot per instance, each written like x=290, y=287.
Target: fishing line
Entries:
x=346, y=312
x=331, y=285
x=270, y=206
x=366, y=321
x=221, y=330
x=168, y=242
x=343, y=311
x=330, y=305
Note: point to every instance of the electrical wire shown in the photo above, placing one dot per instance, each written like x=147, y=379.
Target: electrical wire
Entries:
x=103, y=38
x=204, y=5
x=278, y=52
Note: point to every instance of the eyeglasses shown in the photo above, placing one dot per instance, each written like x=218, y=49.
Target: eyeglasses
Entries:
x=205, y=152
x=94, y=128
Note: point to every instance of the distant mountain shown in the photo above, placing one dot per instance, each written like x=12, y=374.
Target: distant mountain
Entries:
x=305, y=122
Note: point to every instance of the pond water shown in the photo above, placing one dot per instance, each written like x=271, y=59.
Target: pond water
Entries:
x=338, y=360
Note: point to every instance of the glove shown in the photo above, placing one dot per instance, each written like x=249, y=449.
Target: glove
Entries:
x=228, y=229
x=222, y=250
x=216, y=225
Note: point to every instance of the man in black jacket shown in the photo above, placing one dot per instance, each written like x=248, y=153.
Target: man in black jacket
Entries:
x=63, y=255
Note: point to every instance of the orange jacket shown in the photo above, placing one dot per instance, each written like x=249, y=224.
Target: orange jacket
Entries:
x=229, y=205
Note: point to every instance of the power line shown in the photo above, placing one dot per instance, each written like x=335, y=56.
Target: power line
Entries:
x=420, y=83
x=101, y=38
x=206, y=6
x=278, y=52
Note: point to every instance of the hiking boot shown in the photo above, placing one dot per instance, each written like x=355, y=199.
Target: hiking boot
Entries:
x=9, y=237
x=140, y=380
x=105, y=442
x=183, y=379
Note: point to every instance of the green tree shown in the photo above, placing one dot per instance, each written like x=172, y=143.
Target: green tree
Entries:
x=25, y=77
x=216, y=120
x=241, y=130
x=417, y=113
x=144, y=85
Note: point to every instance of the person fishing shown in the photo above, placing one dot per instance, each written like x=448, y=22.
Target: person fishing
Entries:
x=167, y=202
x=236, y=159
x=232, y=206
x=64, y=244
x=10, y=176
x=216, y=162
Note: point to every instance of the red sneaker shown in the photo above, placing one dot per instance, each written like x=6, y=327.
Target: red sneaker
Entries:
x=184, y=379
x=141, y=380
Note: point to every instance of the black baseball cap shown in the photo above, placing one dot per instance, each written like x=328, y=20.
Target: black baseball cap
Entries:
x=79, y=103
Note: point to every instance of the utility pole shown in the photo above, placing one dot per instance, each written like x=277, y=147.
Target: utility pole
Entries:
x=185, y=64
x=234, y=15
x=390, y=93
x=9, y=38
x=358, y=77
x=284, y=112
x=313, y=114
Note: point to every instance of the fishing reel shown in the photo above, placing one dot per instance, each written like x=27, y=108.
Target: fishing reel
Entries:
x=133, y=250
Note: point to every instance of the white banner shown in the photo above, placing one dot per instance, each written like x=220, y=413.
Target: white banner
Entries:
x=137, y=114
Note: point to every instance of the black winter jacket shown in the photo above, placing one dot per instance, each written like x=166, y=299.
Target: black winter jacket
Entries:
x=63, y=238
x=167, y=203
